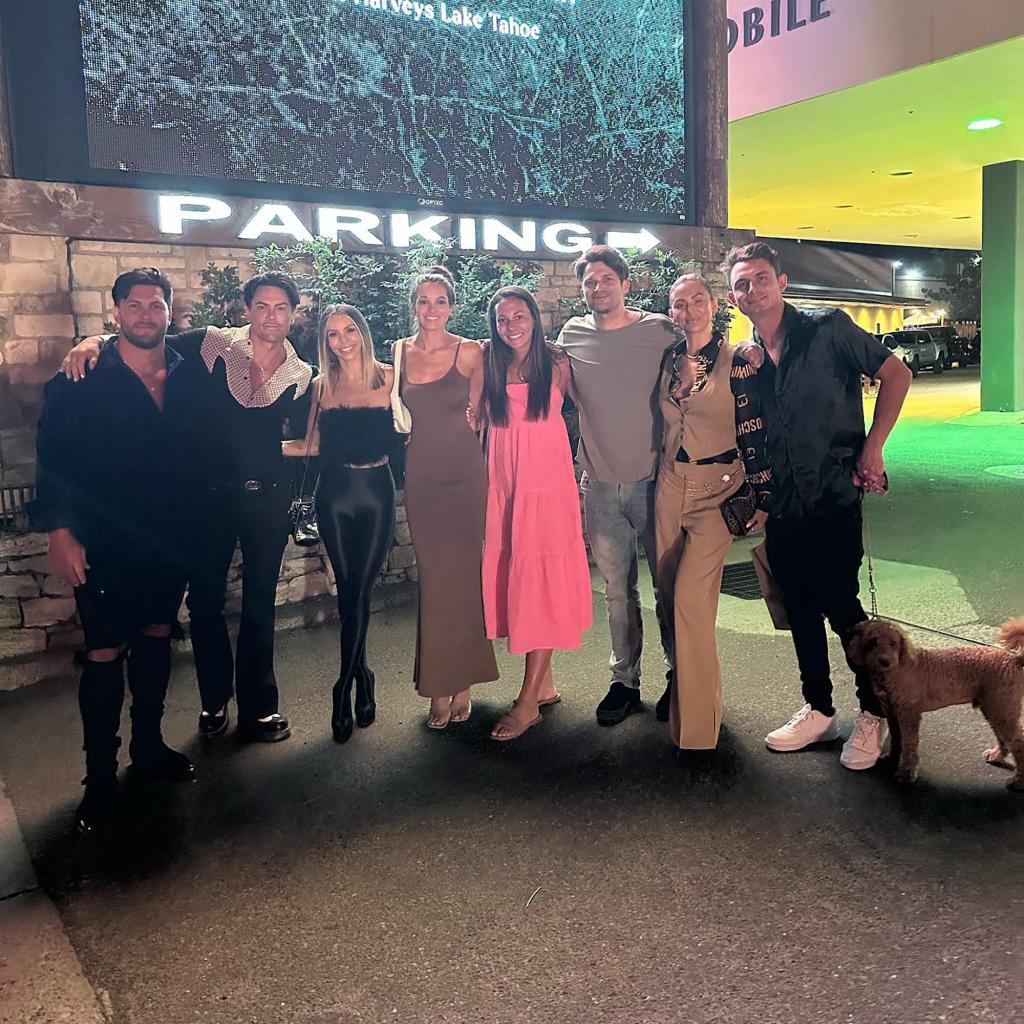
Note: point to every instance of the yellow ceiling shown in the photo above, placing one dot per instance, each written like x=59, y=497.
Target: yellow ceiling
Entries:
x=790, y=169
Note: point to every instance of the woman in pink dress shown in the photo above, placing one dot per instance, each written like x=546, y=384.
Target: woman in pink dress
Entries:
x=536, y=580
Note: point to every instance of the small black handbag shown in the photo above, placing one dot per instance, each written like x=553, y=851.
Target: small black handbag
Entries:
x=738, y=509
x=302, y=511
x=302, y=516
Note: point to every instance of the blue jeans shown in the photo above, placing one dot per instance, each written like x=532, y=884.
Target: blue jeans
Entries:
x=616, y=516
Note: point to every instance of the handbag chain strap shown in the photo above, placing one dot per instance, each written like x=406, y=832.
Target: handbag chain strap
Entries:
x=309, y=441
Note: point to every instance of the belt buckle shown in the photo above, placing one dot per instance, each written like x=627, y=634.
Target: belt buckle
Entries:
x=253, y=485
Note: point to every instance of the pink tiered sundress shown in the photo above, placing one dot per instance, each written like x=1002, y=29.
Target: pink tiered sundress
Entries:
x=536, y=580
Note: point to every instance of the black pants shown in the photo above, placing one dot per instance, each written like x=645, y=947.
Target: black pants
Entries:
x=356, y=512
x=816, y=561
x=116, y=603
x=259, y=522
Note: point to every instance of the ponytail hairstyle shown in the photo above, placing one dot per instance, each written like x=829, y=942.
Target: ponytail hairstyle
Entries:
x=537, y=367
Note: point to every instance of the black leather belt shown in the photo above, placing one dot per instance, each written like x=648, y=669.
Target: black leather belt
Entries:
x=723, y=458
x=248, y=486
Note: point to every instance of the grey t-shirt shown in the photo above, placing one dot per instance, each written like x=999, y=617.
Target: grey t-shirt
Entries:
x=616, y=377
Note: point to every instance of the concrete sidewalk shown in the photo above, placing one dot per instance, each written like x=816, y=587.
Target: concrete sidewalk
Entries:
x=41, y=979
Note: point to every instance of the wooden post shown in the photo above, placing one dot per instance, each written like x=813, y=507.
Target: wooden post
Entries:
x=6, y=161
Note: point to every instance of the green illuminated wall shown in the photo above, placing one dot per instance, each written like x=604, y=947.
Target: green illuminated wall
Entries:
x=1002, y=288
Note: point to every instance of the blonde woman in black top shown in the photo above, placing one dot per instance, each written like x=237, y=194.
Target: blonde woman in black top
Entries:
x=351, y=429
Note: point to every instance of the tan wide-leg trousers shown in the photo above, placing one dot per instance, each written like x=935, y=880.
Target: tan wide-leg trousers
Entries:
x=692, y=542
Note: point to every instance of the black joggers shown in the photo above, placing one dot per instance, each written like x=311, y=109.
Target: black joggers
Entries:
x=816, y=561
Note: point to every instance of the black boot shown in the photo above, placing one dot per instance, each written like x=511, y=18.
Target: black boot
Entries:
x=100, y=794
x=100, y=696
x=366, y=705
x=149, y=669
x=341, y=719
x=661, y=709
x=161, y=763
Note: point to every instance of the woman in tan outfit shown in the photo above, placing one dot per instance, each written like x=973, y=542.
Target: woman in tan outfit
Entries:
x=446, y=500
x=713, y=441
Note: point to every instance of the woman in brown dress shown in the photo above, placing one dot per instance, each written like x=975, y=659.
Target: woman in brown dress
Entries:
x=446, y=500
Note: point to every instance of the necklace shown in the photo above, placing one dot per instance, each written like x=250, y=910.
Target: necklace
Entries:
x=152, y=388
x=517, y=371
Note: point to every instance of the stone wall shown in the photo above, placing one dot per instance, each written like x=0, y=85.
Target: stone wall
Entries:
x=39, y=628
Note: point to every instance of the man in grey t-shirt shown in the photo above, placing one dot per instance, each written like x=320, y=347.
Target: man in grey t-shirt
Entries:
x=615, y=353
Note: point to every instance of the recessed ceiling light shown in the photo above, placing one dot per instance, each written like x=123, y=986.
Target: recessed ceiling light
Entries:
x=983, y=124
x=900, y=174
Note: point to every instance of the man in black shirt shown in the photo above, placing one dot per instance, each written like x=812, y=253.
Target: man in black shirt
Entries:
x=822, y=463
x=248, y=384
x=112, y=476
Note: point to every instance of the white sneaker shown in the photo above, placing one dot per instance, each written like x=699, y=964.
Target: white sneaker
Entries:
x=807, y=726
x=864, y=747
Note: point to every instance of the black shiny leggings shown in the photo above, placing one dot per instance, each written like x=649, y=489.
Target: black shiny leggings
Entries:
x=356, y=513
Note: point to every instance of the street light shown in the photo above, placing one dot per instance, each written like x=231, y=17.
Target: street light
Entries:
x=896, y=264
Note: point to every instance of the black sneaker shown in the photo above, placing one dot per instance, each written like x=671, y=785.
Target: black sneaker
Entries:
x=213, y=723
x=163, y=764
x=620, y=701
x=274, y=729
x=100, y=794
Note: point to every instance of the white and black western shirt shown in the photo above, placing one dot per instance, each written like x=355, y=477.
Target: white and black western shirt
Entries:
x=237, y=433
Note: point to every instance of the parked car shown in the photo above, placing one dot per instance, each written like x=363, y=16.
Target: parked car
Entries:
x=973, y=347
x=955, y=347
x=918, y=349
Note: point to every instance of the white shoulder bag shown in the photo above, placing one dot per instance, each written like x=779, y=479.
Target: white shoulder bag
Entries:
x=399, y=413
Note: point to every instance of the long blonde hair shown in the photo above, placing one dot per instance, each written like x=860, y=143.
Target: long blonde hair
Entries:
x=330, y=365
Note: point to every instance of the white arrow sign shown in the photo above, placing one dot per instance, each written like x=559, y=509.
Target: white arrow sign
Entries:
x=642, y=240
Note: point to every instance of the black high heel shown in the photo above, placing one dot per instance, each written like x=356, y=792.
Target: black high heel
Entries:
x=341, y=718
x=366, y=705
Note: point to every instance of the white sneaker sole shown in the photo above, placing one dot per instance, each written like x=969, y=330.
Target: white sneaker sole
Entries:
x=857, y=766
x=831, y=733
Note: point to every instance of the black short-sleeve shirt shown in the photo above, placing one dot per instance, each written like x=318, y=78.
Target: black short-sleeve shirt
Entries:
x=812, y=403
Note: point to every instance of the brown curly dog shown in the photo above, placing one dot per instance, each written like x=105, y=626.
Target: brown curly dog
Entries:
x=910, y=681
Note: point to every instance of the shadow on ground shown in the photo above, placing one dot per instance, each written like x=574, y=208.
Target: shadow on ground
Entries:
x=579, y=874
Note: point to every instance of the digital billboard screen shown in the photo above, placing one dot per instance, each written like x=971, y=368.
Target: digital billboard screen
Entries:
x=531, y=105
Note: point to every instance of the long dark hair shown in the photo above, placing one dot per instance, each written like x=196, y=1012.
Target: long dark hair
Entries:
x=537, y=366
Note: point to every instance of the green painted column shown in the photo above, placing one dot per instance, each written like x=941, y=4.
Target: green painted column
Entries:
x=1002, y=287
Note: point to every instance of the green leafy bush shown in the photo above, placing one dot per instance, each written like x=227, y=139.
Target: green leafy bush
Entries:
x=378, y=286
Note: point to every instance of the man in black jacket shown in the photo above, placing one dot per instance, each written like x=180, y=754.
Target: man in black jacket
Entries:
x=113, y=474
